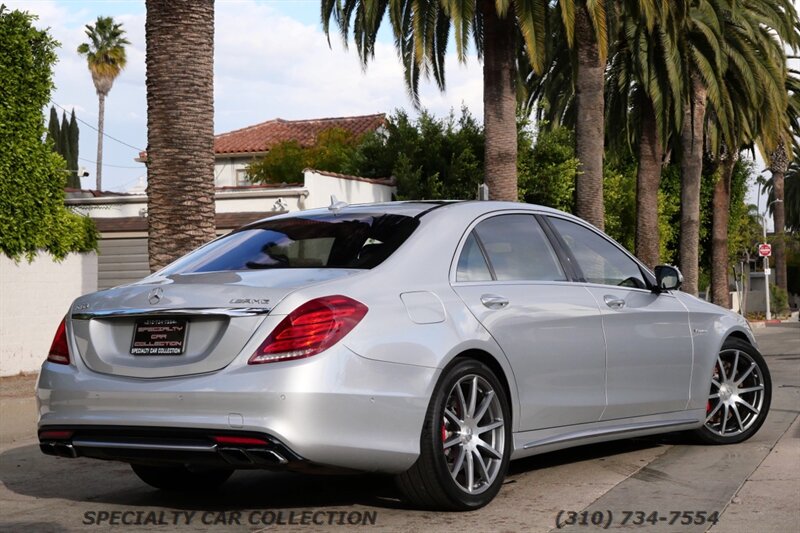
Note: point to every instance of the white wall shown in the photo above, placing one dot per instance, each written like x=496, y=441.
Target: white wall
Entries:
x=321, y=186
x=34, y=297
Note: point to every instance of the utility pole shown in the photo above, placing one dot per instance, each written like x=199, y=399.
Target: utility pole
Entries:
x=766, y=258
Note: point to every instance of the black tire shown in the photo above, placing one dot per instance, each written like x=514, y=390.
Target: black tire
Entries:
x=730, y=418
x=181, y=478
x=428, y=483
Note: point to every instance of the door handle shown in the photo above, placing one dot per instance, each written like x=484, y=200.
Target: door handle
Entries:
x=492, y=301
x=613, y=302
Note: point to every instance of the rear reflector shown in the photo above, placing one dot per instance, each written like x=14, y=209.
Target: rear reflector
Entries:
x=310, y=329
x=59, y=351
x=55, y=434
x=227, y=439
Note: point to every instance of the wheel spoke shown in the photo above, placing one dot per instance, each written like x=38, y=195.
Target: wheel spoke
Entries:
x=459, y=462
x=489, y=448
x=482, y=470
x=473, y=396
x=715, y=383
x=462, y=403
x=746, y=373
x=713, y=412
x=747, y=404
x=452, y=442
x=452, y=416
x=735, y=366
x=724, y=420
x=738, y=417
x=492, y=425
x=751, y=389
x=485, y=403
x=470, y=477
x=721, y=369
x=713, y=396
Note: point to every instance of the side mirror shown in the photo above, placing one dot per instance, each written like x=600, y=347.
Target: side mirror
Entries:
x=668, y=278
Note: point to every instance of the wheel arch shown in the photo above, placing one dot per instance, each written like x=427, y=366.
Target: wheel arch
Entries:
x=495, y=366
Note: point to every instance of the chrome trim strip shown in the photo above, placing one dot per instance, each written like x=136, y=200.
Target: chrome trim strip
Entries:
x=224, y=311
x=144, y=446
x=281, y=459
x=590, y=433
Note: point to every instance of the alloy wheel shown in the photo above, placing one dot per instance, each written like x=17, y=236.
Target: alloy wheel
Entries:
x=737, y=394
x=473, y=434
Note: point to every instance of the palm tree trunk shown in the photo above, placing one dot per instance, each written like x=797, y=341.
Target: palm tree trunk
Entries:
x=779, y=163
x=720, y=216
x=499, y=104
x=589, y=106
x=101, y=118
x=180, y=127
x=648, y=178
x=691, y=173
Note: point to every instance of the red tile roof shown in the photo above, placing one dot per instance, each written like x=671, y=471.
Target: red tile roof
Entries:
x=261, y=137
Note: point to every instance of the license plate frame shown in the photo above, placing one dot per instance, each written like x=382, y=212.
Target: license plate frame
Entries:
x=159, y=337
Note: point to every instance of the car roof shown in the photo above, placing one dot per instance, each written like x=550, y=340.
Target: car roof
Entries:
x=420, y=208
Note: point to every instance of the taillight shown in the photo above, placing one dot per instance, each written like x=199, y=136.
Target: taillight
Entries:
x=310, y=329
x=59, y=351
x=55, y=434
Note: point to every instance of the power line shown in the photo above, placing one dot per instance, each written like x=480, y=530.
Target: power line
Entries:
x=95, y=129
x=108, y=165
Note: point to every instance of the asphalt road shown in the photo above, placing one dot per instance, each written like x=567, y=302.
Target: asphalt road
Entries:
x=752, y=487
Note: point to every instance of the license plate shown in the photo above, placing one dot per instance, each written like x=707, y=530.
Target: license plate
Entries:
x=159, y=336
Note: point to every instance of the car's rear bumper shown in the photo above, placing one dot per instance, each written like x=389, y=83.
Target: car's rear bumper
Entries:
x=334, y=409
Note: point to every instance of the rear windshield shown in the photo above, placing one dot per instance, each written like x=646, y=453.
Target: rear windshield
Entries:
x=317, y=241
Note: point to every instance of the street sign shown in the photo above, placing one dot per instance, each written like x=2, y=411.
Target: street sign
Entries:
x=767, y=271
x=764, y=250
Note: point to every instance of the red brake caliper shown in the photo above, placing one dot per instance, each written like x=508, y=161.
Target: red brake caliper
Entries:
x=444, y=433
x=708, y=406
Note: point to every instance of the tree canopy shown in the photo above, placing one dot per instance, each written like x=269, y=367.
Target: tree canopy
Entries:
x=32, y=176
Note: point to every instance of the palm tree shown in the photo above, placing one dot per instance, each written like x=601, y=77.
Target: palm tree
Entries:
x=105, y=56
x=701, y=47
x=642, y=85
x=591, y=43
x=499, y=30
x=755, y=106
x=180, y=127
x=645, y=87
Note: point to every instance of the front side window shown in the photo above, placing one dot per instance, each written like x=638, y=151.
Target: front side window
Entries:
x=518, y=249
x=316, y=241
x=599, y=259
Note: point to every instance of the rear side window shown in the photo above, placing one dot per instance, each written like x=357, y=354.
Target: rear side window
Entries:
x=318, y=241
x=472, y=265
x=599, y=259
x=517, y=249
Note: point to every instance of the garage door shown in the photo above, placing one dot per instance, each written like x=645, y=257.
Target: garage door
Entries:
x=121, y=261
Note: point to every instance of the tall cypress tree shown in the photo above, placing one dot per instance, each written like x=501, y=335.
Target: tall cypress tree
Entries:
x=73, y=149
x=53, y=129
x=63, y=142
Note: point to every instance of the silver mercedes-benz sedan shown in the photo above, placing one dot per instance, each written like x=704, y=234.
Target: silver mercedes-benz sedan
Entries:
x=432, y=340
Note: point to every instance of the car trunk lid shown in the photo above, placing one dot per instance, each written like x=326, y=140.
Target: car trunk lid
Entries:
x=181, y=324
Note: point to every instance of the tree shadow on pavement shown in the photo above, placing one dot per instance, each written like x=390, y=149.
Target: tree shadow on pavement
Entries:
x=26, y=471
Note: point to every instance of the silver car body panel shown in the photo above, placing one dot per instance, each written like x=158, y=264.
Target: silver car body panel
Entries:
x=573, y=368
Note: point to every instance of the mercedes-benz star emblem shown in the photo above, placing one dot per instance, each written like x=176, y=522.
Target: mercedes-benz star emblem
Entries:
x=155, y=295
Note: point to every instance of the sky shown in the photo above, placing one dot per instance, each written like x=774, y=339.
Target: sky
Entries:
x=271, y=60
